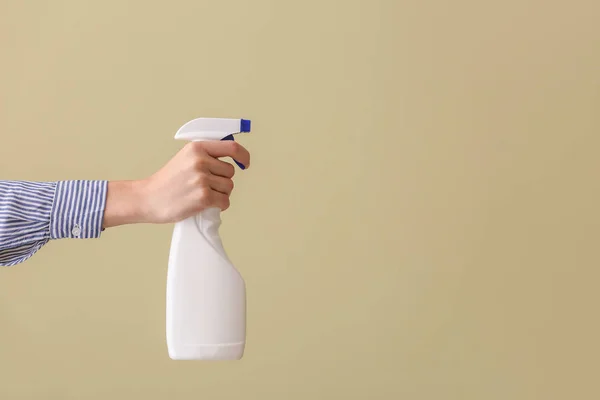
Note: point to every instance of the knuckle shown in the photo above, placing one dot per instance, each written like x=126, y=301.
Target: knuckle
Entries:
x=201, y=179
x=197, y=147
x=198, y=144
x=192, y=146
x=201, y=163
x=235, y=147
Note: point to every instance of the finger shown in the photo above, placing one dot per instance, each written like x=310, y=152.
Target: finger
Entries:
x=227, y=148
x=220, y=200
x=221, y=185
x=221, y=168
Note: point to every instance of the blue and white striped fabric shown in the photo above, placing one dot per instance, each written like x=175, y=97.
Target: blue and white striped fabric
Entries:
x=33, y=213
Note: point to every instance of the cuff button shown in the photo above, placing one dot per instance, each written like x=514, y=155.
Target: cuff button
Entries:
x=76, y=231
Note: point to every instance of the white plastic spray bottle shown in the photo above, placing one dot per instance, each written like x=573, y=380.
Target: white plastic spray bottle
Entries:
x=206, y=296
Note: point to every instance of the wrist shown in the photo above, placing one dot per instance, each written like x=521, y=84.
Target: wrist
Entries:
x=125, y=204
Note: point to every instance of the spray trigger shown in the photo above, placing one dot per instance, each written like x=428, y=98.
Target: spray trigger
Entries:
x=239, y=164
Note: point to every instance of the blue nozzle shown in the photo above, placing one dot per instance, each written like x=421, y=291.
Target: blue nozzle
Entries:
x=245, y=125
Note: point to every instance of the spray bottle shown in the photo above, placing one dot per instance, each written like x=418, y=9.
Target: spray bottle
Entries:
x=206, y=295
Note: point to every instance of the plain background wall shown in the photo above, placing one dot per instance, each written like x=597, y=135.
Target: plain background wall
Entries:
x=421, y=219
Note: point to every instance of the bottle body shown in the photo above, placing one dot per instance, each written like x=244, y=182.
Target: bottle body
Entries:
x=206, y=295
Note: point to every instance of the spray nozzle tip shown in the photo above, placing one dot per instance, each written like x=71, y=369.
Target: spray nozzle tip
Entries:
x=245, y=125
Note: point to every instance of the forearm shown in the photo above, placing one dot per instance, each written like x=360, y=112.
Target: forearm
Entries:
x=125, y=204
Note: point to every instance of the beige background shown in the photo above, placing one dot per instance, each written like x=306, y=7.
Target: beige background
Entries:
x=421, y=220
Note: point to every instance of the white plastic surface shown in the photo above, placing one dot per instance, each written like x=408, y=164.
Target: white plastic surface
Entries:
x=208, y=129
x=206, y=295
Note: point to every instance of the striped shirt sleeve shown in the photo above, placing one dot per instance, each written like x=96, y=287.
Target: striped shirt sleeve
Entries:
x=33, y=213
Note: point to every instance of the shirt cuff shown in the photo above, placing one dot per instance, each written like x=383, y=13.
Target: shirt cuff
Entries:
x=78, y=209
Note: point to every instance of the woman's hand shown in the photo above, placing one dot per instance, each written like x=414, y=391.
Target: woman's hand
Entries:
x=193, y=180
